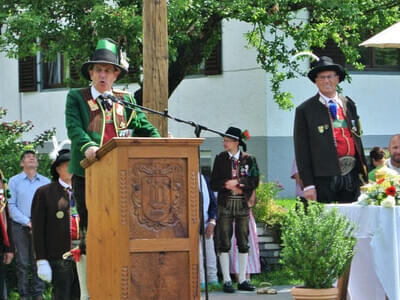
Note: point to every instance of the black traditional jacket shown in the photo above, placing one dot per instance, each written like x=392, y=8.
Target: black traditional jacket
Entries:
x=222, y=172
x=314, y=142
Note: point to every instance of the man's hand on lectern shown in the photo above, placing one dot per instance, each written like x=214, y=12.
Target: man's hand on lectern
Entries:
x=90, y=152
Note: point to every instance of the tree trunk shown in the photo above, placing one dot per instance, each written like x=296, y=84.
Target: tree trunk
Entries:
x=189, y=54
x=155, y=61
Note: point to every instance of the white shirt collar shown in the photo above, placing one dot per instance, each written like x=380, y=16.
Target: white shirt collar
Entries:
x=63, y=183
x=326, y=99
x=96, y=93
x=236, y=156
x=389, y=164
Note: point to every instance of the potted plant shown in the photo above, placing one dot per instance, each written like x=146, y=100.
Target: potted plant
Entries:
x=318, y=246
x=266, y=211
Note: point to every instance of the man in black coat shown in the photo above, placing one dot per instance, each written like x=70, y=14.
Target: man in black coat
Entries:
x=55, y=230
x=235, y=176
x=327, y=139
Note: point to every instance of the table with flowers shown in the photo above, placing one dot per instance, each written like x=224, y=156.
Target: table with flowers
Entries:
x=375, y=269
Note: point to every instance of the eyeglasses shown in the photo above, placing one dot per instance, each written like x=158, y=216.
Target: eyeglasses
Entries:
x=228, y=140
x=329, y=77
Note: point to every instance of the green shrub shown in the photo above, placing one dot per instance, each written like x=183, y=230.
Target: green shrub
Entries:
x=266, y=210
x=287, y=203
x=12, y=145
x=318, y=246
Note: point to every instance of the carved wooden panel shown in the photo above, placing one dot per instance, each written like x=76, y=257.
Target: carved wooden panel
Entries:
x=195, y=279
x=124, y=283
x=158, y=199
x=123, y=202
x=192, y=202
x=155, y=273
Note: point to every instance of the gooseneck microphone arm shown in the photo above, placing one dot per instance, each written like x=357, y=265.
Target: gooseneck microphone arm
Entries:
x=197, y=127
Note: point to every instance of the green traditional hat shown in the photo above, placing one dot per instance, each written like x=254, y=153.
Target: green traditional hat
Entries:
x=106, y=52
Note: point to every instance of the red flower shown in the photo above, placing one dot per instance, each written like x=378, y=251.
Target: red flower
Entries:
x=391, y=191
x=246, y=135
x=380, y=180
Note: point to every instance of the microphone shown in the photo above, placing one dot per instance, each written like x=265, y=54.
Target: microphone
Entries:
x=106, y=101
x=109, y=95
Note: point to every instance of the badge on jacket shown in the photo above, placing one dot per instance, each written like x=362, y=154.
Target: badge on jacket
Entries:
x=322, y=128
x=120, y=110
x=60, y=214
x=92, y=105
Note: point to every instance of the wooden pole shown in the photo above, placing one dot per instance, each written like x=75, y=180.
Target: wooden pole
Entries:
x=155, y=61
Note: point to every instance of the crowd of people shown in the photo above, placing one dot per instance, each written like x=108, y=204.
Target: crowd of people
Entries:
x=45, y=224
x=48, y=217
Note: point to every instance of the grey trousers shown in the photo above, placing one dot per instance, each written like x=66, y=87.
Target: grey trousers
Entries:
x=25, y=263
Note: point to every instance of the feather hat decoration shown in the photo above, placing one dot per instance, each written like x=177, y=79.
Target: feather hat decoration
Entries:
x=57, y=147
x=306, y=53
x=323, y=63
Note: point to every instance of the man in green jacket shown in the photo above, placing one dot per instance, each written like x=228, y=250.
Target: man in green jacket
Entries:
x=92, y=119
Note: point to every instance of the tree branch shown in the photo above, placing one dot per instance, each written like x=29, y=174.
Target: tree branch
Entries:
x=190, y=53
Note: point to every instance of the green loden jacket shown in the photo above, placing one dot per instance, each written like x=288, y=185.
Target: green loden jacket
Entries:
x=85, y=122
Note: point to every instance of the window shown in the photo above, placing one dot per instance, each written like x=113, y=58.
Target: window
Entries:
x=213, y=65
x=373, y=58
x=380, y=59
x=54, y=74
x=27, y=74
x=210, y=66
x=331, y=50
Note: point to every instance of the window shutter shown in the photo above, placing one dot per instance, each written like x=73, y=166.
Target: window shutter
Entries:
x=133, y=73
x=213, y=65
x=73, y=71
x=333, y=51
x=27, y=74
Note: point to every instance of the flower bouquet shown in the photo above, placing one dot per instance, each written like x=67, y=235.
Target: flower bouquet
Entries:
x=385, y=191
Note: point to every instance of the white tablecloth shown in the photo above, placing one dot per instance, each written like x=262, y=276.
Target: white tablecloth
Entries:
x=375, y=268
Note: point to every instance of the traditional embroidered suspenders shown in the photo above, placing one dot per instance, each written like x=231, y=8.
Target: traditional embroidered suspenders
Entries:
x=117, y=116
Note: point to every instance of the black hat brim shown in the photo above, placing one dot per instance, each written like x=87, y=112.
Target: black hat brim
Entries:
x=333, y=67
x=60, y=159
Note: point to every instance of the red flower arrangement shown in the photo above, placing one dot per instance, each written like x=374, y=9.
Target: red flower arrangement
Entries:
x=245, y=135
x=391, y=191
x=385, y=191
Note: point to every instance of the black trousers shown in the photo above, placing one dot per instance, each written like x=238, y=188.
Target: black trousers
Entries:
x=2, y=276
x=225, y=229
x=328, y=193
x=65, y=280
x=78, y=188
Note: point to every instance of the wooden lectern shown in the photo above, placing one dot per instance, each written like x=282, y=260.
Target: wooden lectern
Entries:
x=143, y=204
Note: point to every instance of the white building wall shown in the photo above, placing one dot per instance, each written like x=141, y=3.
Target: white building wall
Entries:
x=240, y=97
x=9, y=96
x=236, y=97
x=375, y=93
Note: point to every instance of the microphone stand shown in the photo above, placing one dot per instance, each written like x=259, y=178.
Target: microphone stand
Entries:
x=197, y=127
x=197, y=131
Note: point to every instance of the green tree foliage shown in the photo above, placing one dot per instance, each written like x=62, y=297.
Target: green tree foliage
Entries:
x=12, y=146
x=280, y=29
